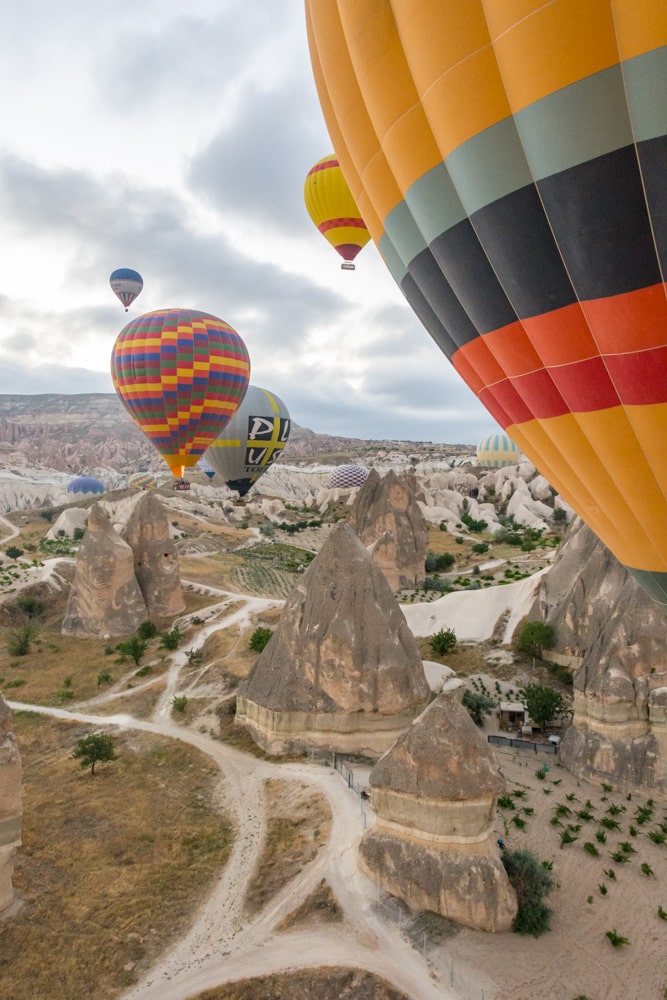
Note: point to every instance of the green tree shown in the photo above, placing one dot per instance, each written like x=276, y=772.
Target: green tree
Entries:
x=532, y=881
x=147, y=630
x=29, y=604
x=534, y=637
x=78, y=534
x=170, y=640
x=13, y=552
x=443, y=641
x=478, y=705
x=544, y=703
x=21, y=639
x=259, y=639
x=94, y=748
x=134, y=647
x=439, y=563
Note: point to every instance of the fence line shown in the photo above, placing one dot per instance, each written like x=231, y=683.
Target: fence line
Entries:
x=508, y=741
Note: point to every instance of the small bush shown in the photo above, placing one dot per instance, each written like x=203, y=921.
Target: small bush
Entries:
x=443, y=641
x=531, y=882
x=20, y=640
x=478, y=706
x=147, y=630
x=260, y=639
x=30, y=605
x=170, y=640
x=179, y=702
x=616, y=939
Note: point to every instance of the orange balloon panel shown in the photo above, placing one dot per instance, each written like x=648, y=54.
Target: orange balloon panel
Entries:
x=512, y=154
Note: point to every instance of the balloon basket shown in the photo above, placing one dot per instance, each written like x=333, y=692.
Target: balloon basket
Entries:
x=347, y=265
x=181, y=484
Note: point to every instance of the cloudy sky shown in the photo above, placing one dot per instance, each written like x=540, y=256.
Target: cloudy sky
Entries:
x=174, y=137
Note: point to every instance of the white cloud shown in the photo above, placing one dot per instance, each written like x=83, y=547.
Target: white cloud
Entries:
x=174, y=138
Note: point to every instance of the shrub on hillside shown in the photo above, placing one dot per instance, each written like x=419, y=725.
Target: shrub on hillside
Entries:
x=532, y=881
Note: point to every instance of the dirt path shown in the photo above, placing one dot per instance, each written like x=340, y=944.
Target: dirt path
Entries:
x=221, y=945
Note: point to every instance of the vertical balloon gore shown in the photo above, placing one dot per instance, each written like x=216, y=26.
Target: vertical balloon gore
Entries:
x=509, y=161
x=181, y=375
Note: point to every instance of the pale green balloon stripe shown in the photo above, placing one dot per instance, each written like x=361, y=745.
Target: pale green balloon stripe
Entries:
x=569, y=127
x=653, y=582
x=645, y=86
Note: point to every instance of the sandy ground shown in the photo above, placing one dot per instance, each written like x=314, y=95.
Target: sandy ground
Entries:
x=574, y=960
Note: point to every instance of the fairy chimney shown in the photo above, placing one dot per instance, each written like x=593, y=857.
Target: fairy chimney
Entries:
x=155, y=559
x=434, y=795
x=105, y=598
x=343, y=671
x=389, y=522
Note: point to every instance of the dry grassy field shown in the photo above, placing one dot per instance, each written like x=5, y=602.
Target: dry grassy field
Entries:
x=112, y=865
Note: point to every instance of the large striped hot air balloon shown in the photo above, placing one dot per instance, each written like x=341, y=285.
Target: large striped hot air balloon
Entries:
x=333, y=210
x=252, y=440
x=181, y=375
x=509, y=161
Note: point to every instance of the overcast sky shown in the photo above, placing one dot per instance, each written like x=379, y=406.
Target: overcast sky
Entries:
x=174, y=137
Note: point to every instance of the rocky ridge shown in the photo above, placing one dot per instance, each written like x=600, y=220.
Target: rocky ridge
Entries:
x=615, y=636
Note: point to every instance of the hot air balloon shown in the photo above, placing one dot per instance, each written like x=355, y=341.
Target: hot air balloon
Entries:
x=332, y=208
x=181, y=375
x=126, y=284
x=142, y=481
x=344, y=477
x=496, y=451
x=251, y=441
x=85, y=485
x=509, y=161
x=204, y=467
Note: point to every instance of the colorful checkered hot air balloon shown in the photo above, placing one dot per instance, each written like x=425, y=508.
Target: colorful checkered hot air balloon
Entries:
x=142, y=481
x=509, y=161
x=332, y=208
x=181, y=375
x=345, y=477
x=495, y=451
x=126, y=284
x=252, y=440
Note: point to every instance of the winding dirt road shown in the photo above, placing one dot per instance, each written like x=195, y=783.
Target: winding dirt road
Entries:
x=222, y=945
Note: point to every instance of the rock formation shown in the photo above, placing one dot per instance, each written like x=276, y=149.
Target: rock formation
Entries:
x=155, y=560
x=388, y=520
x=10, y=804
x=105, y=598
x=434, y=794
x=342, y=671
x=607, y=625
